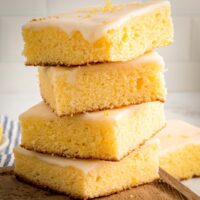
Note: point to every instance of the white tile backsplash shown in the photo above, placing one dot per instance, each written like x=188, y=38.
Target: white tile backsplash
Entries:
x=15, y=77
x=195, y=50
x=185, y=7
x=183, y=76
x=180, y=49
x=11, y=42
x=63, y=5
x=182, y=58
x=23, y=7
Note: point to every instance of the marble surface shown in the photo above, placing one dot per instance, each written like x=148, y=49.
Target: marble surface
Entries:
x=183, y=106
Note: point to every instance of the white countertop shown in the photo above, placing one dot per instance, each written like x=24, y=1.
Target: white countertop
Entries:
x=184, y=106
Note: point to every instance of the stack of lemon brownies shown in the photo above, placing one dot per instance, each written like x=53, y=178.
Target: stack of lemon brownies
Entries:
x=103, y=91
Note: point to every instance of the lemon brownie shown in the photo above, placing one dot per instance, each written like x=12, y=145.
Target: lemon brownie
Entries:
x=107, y=135
x=98, y=34
x=88, y=178
x=70, y=91
x=180, y=149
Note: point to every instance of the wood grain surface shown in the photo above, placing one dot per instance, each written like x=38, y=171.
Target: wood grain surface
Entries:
x=167, y=188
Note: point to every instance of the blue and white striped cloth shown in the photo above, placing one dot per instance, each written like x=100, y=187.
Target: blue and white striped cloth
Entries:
x=11, y=130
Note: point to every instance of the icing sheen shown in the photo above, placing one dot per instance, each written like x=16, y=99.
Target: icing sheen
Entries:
x=72, y=73
x=93, y=22
x=42, y=110
x=178, y=134
x=86, y=165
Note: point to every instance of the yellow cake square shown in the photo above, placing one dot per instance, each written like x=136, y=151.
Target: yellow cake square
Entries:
x=180, y=149
x=70, y=91
x=98, y=34
x=107, y=135
x=88, y=178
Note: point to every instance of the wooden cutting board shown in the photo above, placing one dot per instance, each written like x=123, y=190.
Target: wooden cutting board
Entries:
x=167, y=188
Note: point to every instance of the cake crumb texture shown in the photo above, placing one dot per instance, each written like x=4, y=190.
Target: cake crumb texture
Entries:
x=140, y=167
x=70, y=91
x=107, y=135
x=180, y=149
x=92, y=35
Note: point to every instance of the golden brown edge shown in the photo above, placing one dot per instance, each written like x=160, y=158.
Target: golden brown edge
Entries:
x=68, y=65
x=41, y=186
x=162, y=100
x=138, y=147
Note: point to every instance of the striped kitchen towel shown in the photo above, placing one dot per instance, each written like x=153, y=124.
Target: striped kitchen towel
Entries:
x=12, y=131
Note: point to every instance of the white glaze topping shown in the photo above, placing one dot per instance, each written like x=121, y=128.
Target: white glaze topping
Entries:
x=41, y=110
x=85, y=165
x=93, y=22
x=177, y=134
x=117, y=114
x=72, y=73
